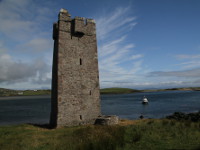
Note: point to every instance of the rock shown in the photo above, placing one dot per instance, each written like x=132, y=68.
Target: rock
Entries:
x=194, y=117
x=107, y=120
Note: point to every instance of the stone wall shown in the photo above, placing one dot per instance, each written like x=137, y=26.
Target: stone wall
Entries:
x=75, y=81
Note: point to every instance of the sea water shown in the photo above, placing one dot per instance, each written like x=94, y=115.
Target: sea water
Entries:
x=160, y=104
x=36, y=109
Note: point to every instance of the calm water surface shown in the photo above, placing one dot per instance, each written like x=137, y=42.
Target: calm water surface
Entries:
x=36, y=109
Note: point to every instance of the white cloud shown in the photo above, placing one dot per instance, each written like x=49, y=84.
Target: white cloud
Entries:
x=2, y=48
x=136, y=56
x=21, y=20
x=118, y=21
x=119, y=63
x=188, y=56
x=25, y=44
x=110, y=47
x=13, y=24
x=189, y=61
x=192, y=73
x=38, y=45
x=19, y=72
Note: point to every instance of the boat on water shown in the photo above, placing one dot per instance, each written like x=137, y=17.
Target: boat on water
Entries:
x=145, y=100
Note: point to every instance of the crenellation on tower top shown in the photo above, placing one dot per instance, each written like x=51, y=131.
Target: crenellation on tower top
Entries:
x=79, y=18
x=64, y=11
x=85, y=26
x=90, y=21
x=77, y=26
x=64, y=15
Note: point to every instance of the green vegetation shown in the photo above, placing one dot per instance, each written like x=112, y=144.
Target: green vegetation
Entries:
x=180, y=116
x=7, y=92
x=174, y=89
x=37, y=92
x=141, y=134
x=117, y=91
x=127, y=90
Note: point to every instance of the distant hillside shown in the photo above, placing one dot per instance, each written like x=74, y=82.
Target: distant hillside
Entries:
x=37, y=92
x=127, y=90
x=174, y=89
x=118, y=91
x=8, y=92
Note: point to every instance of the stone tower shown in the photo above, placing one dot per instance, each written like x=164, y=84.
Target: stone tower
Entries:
x=75, y=81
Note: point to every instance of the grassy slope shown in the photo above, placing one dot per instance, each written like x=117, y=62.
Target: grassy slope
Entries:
x=117, y=90
x=127, y=90
x=141, y=134
x=38, y=92
x=8, y=92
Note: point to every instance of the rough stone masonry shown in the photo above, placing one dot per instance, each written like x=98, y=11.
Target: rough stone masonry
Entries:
x=75, y=76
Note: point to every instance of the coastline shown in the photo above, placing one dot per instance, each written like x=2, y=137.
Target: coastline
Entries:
x=22, y=97
x=129, y=91
x=117, y=90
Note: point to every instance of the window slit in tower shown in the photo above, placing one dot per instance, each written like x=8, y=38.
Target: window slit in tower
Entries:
x=90, y=92
x=80, y=61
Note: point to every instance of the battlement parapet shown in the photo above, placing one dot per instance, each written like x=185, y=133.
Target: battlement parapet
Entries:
x=78, y=26
x=84, y=26
x=64, y=15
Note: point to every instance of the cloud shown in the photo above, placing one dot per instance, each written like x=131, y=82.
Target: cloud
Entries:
x=188, y=56
x=12, y=72
x=137, y=56
x=13, y=24
x=118, y=21
x=189, y=61
x=37, y=45
x=2, y=48
x=21, y=20
x=118, y=61
x=25, y=43
x=192, y=73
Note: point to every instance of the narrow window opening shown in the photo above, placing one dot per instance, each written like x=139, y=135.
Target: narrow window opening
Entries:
x=80, y=61
x=90, y=92
x=81, y=117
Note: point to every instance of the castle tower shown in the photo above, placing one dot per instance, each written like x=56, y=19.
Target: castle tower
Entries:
x=75, y=77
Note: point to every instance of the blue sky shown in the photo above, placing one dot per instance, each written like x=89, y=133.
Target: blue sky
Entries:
x=141, y=43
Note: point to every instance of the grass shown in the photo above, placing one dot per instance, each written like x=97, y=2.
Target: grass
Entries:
x=140, y=134
x=38, y=92
x=127, y=90
x=8, y=92
x=118, y=91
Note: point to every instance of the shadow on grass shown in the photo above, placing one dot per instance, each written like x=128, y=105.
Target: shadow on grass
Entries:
x=43, y=126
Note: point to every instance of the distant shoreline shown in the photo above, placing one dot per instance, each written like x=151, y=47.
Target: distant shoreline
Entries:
x=129, y=91
x=9, y=92
x=117, y=90
x=17, y=97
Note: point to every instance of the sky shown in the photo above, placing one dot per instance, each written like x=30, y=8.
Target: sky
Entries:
x=142, y=44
